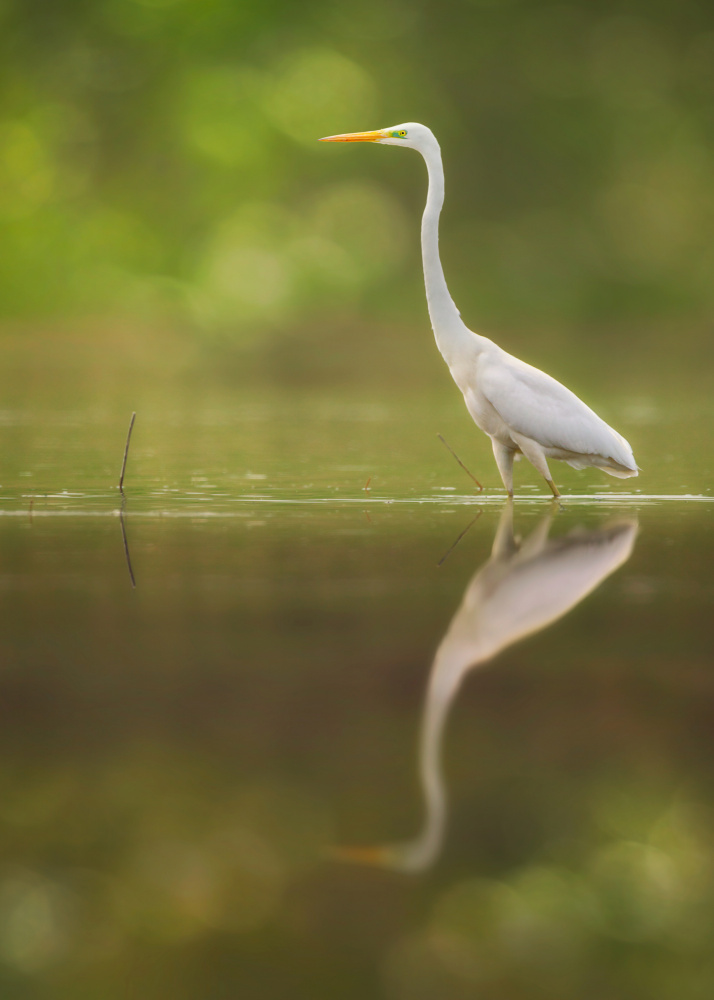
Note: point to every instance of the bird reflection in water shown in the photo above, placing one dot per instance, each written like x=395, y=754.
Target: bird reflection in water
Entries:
x=523, y=587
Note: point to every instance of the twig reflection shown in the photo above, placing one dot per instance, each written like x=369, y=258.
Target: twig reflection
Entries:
x=455, y=543
x=126, y=548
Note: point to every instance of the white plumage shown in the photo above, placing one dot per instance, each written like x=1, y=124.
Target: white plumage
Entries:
x=523, y=410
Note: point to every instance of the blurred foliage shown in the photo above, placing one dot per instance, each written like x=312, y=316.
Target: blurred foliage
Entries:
x=158, y=160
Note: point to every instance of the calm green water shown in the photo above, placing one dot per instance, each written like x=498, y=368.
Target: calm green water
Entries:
x=330, y=745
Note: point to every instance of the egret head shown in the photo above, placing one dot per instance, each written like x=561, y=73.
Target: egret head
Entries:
x=408, y=134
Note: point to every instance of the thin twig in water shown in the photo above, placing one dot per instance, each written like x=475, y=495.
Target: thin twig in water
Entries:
x=126, y=550
x=480, y=487
x=126, y=451
x=366, y=485
x=449, y=551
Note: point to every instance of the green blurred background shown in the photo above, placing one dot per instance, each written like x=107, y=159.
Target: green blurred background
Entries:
x=176, y=759
x=160, y=179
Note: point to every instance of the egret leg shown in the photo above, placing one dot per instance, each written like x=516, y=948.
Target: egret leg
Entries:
x=504, y=460
x=534, y=453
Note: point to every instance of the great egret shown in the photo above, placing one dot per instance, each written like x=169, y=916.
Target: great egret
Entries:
x=520, y=590
x=523, y=410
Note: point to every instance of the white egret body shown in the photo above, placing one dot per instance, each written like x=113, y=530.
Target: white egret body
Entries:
x=523, y=410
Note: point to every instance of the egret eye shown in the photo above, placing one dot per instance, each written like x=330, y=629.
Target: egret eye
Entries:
x=400, y=134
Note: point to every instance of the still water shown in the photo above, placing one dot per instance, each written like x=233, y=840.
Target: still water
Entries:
x=302, y=716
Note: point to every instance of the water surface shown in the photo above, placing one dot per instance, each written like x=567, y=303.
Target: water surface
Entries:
x=301, y=714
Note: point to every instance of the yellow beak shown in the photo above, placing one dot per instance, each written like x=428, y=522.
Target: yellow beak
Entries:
x=355, y=137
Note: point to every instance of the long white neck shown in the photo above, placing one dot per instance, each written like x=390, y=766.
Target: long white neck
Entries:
x=451, y=334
